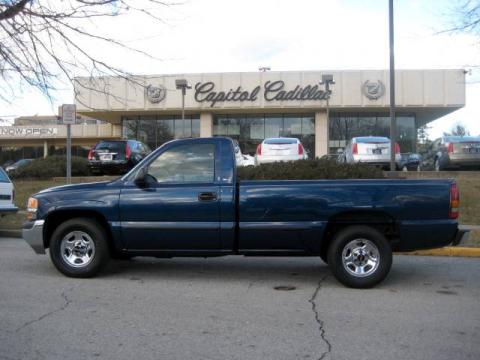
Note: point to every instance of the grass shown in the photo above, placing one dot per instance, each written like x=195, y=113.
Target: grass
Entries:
x=469, y=201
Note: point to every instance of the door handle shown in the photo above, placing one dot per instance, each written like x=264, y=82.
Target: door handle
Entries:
x=207, y=196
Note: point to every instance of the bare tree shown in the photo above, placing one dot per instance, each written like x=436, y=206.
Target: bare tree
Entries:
x=43, y=42
x=465, y=17
x=457, y=130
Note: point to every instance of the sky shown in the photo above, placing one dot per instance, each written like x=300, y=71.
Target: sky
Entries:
x=227, y=35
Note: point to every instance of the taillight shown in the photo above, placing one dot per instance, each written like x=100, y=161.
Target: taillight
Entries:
x=300, y=149
x=450, y=148
x=128, y=152
x=397, y=148
x=259, y=149
x=454, y=201
x=355, y=148
x=90, y=154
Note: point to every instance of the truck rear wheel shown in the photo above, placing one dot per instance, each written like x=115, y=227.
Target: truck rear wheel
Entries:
x=79, y=248
x=360, y=256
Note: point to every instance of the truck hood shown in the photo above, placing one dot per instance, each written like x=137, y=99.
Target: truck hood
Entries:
x=75, y=187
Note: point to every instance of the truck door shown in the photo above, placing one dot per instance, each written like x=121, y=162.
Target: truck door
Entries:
x=179, y=208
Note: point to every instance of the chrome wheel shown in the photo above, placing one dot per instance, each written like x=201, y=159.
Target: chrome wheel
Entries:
x=77, y=249
x=405, y=169
x=437, y=165
x=360, y=257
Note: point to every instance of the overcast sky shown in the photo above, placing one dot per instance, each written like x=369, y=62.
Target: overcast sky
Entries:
x=224, y=35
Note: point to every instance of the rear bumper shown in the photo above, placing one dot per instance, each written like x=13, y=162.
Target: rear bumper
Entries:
x=118, y=166
x=263, y=159
x=467, y=160
x=32, y=233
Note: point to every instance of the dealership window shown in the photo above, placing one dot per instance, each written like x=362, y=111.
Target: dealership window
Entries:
x=155, y=130
x=250, y=130
x=344, y=126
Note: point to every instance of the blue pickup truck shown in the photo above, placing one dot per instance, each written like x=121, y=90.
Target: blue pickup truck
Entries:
x=184, y=199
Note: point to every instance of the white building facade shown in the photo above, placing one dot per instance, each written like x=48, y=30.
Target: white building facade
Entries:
x=252, y=106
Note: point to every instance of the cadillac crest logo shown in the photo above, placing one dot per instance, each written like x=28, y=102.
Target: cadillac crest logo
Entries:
x=373, y=89
x=155, y=94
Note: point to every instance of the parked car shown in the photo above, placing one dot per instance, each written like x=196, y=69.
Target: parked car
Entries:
x=185, y=200
x=7, y=163
x=279, y=149
x=410, y=162
x=454, y=152
x=373, y=150
x=116, y=156
x=333, y=157
x=242, y=159
x=18, y=164
x=7, y=194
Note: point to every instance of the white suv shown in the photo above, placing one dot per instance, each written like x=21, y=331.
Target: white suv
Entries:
x=280, y=149
x=7, y=194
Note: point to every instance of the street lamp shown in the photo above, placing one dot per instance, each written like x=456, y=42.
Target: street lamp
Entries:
x=328, y=80
x=182, y=84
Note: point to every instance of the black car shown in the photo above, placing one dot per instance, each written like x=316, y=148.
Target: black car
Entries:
x=116, y=156
x=410, y=162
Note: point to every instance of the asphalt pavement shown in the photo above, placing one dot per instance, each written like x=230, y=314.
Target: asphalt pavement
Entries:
x=228, y=308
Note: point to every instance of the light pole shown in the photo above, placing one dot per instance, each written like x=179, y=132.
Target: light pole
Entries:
x=393, y=120
x=183, y=85
x=328, y=80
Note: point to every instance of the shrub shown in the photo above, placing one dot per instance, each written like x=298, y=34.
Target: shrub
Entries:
x=51, y=166
x=309, y=170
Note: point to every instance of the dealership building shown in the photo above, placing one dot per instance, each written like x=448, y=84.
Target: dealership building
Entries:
x=252, y=106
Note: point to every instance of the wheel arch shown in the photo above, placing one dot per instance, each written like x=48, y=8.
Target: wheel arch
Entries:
x=57, y=217
x=379, y=220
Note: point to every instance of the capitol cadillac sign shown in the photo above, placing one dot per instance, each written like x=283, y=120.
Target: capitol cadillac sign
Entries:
x=28, y=132
x=206, y=92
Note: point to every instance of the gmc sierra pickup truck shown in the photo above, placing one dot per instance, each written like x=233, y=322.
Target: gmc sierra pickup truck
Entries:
x=184, y=199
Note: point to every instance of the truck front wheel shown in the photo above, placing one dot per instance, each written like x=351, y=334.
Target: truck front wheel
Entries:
x=360, y=256
x=78, y=247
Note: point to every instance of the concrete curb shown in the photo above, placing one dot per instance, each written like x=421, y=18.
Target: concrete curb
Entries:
x=446, y=251
x=10, y=233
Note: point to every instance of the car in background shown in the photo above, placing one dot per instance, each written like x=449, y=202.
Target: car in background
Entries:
x=454, y=152
x=373, y=150
x=333, y=157
x=7, y=195
x=240, y=158
x=116, y=156
x=410, y=162
x=17, y=165
x=279, y=149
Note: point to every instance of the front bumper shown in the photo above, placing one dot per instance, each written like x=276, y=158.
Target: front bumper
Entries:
x=32, y=233
x=8, y=210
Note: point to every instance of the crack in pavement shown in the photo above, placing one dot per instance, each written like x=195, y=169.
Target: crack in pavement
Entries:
x=40, y=318
x=320, y=322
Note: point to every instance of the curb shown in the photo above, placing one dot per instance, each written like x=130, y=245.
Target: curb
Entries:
x=446, y=251
x=11, y=233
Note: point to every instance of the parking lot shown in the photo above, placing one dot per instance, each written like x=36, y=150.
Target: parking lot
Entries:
x=228, y=308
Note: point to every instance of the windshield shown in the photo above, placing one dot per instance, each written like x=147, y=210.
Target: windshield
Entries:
x=372, y=140
x=3, y=176
x=280, y=141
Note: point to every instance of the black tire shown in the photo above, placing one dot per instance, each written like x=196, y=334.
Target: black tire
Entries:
x=348, y=236
x=95, y=233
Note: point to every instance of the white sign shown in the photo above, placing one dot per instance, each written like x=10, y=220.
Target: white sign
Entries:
x=69, y=114
x=14, y=131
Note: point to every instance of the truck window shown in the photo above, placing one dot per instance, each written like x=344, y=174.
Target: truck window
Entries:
x=185, y=164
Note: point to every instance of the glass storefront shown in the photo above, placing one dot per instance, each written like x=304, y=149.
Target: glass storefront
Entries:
x=250, y=130
x=344, y=126
x=156, y=130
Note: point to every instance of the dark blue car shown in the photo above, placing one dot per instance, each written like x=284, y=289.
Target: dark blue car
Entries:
x=184, y=200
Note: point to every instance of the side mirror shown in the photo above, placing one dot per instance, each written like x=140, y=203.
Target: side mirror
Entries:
x=143, y=179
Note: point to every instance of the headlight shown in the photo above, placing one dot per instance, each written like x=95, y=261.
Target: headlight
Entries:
x=32, y=207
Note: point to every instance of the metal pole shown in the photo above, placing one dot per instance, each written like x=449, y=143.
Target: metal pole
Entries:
x=184, y=91
x=69, y=154
x=393, y=121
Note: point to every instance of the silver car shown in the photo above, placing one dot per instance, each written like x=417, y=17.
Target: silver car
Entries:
x=280, y=149
x=454, y=152
x=373, y=150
